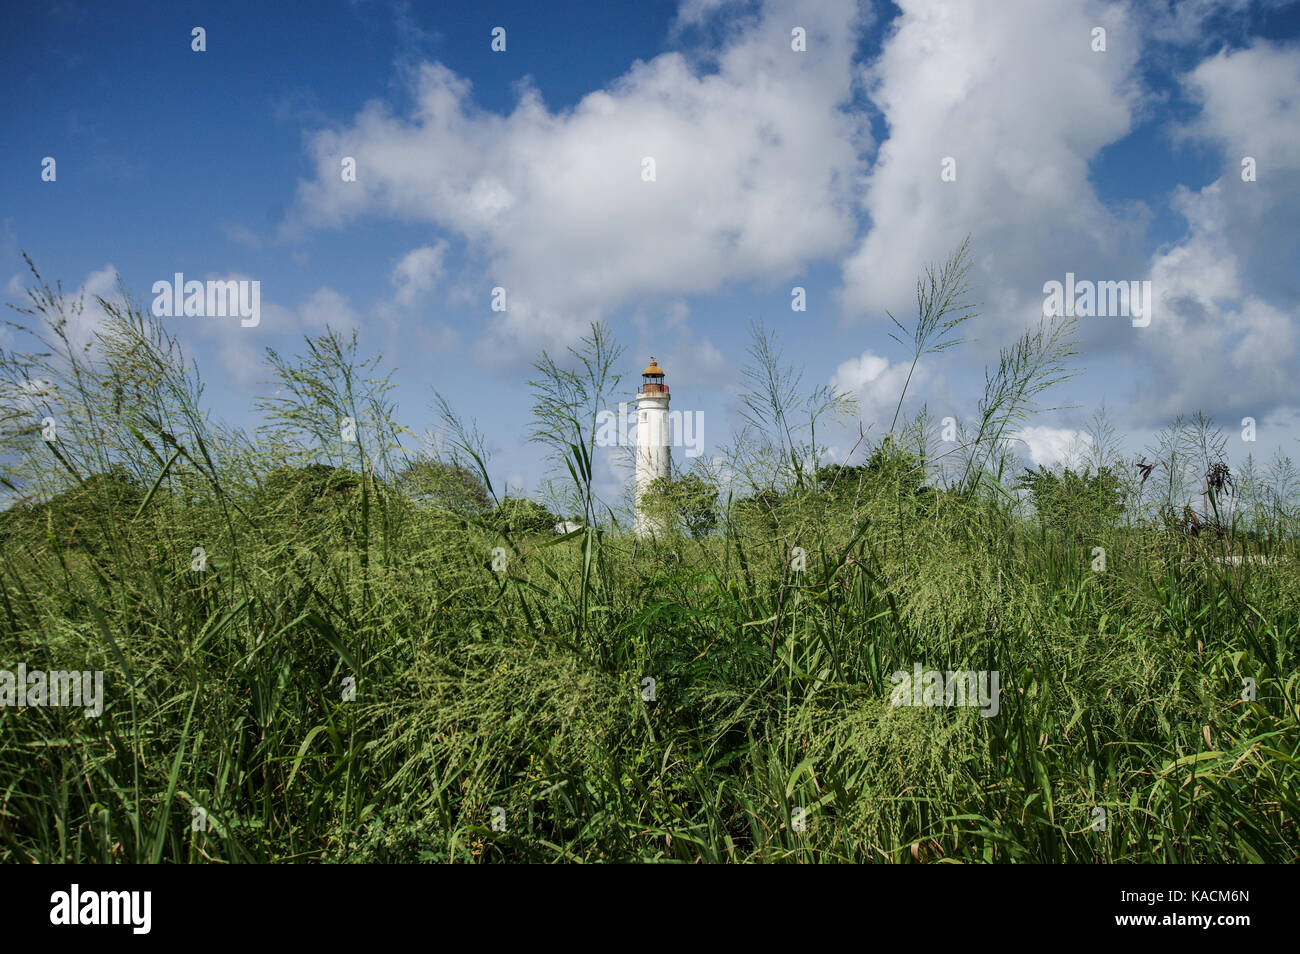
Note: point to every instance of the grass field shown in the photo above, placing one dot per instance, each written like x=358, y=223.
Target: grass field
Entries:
x=348, y=671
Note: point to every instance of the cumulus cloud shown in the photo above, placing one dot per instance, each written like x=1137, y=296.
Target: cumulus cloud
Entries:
x=760, y=158
x=1015, y=95
x=1248, y=103
x=84, y=321
x=418, y=272
x=1223, y=336
x=1049, y=446
x=876, y=383
x=755, y=168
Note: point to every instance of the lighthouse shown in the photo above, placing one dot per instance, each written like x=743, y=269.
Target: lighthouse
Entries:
x=653, y=435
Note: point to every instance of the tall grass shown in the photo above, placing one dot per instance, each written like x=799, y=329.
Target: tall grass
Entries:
x=770, y=735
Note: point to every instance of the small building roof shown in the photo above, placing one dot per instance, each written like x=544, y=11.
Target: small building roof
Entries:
x=653, y=369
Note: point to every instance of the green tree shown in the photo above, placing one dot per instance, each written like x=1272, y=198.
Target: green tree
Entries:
x=757, y=513
x=689, y=502
x=309, y=487
x=1071, y=502
x=521, y=515
x=77, y=513
x=890, y=465
x=452, y=486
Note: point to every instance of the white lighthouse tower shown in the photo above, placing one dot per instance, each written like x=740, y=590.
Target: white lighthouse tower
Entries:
x=653, y=436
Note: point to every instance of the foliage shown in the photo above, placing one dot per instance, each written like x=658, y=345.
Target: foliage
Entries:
x=890, y=465
x=567, y=398
x=1070, y=503
x=689, y=502
x=516, y=694
x=522, y=515
x=453, y=487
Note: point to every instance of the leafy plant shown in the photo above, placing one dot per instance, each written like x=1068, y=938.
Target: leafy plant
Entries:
x=689, y=502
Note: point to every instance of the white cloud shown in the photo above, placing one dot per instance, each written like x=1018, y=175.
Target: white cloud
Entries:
x=876, y=384
x=1223, y=336
x=326, y=308
x=1049, y=446
x=418, y=272
x=697, y=11
x=1014, y=94
x=755, y=167
x=84, y=321
x=1248, y=103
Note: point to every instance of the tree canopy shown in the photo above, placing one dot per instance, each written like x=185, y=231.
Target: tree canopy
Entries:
x=451, y=486
x=689, y=502
x=1072, y=501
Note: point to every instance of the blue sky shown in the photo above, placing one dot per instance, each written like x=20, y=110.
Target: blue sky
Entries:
x=774, y=168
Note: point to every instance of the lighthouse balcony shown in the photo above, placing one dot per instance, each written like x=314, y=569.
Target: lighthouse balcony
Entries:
x=653, y=389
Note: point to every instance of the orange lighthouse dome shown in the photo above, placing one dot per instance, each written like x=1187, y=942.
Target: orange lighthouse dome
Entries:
x=653, y=379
